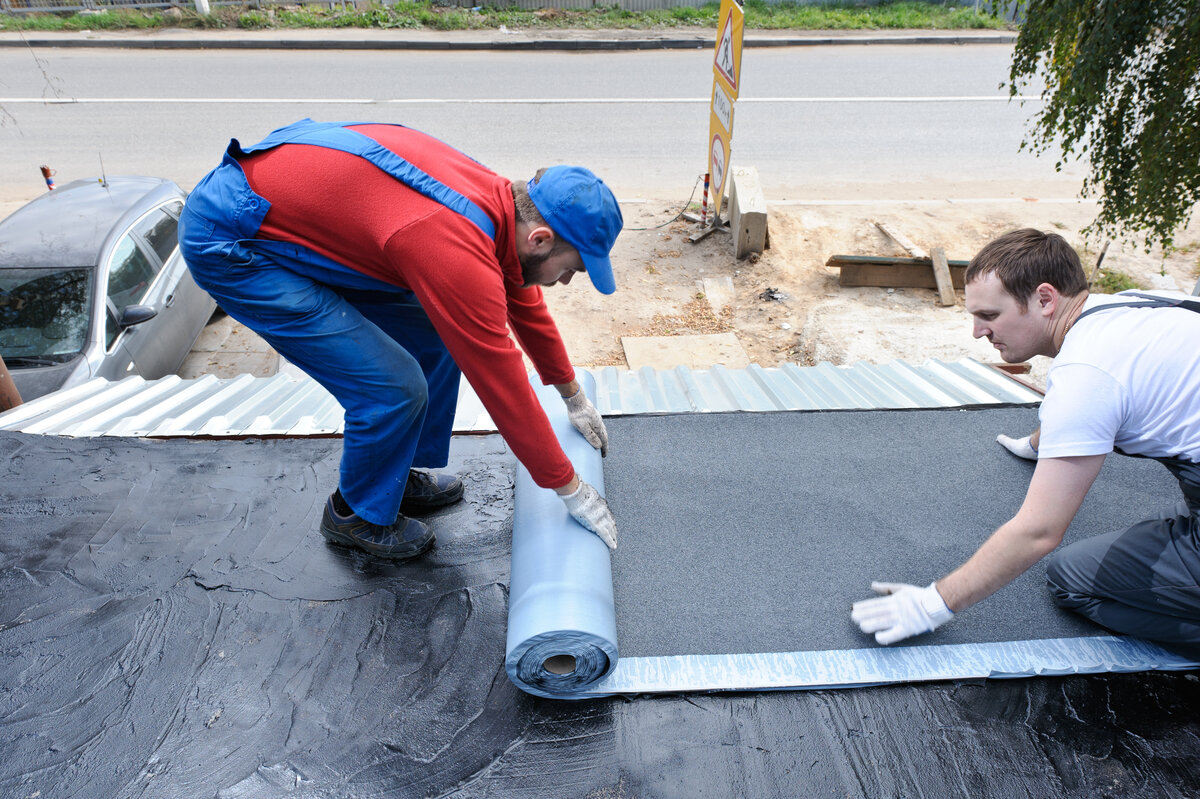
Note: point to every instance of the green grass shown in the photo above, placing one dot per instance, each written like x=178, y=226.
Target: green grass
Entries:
x=426, y=15
x=116, y=19
x=1110, y=281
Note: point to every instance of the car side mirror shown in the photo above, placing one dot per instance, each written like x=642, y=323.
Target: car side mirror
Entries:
x=136, y=314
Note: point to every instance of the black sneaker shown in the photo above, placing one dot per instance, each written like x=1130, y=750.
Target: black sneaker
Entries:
x=405, y=538
x=425, y=492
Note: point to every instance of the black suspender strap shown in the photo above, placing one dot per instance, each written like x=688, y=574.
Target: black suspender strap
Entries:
x=1153, y=302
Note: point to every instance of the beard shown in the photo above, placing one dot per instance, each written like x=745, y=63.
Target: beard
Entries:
x=531, y=262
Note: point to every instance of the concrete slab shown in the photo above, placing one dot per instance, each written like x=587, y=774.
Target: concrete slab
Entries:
x=747, y=213
x=694, y=352
x=718, y=291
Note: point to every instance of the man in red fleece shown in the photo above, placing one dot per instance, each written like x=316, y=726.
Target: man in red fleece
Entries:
x=382, y=261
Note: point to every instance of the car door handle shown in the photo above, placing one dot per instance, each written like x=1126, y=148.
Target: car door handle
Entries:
x=169, y=301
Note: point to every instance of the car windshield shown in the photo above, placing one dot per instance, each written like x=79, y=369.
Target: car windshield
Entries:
x=44, y=314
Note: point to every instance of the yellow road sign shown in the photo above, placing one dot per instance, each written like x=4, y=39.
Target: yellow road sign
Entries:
x=727, y=67
x=727, y=61
x=718, y=166
x=722, y=107
x=720, y=138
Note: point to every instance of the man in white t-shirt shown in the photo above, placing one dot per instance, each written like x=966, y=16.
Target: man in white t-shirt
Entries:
x=1126, y=377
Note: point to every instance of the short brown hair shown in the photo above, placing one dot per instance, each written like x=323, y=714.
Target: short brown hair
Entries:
x=526, y=211
x=1026, y=258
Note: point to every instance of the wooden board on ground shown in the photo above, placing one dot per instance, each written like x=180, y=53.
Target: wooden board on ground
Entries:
x=888, y=272
x=941, y=276
x=694, y=352
x=902, y=240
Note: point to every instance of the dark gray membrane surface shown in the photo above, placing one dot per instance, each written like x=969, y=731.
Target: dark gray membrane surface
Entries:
x=755, y=532
x=171, y=626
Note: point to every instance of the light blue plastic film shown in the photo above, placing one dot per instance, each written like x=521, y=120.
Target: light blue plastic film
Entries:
x=562, y=629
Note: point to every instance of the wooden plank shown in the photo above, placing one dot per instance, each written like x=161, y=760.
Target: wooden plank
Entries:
x=941, y=276
x=1022, y=368
x=1016, y=376
x=908, y=276
x=842, y=260
x=892, y=272
x=902, y=240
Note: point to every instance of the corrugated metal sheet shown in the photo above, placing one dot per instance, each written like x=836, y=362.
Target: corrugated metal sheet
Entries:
x=286, y=406
x=790, y=387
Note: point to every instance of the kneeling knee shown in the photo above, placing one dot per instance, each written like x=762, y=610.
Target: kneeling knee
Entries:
x=1067, y=583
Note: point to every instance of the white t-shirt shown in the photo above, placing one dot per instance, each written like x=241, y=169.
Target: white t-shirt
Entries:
x=1125, y=377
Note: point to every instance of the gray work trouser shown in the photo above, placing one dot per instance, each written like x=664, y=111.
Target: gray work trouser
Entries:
x=1142, y=581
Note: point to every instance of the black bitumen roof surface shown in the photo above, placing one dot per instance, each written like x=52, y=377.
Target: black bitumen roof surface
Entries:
x=755, y=533
x=171, y=625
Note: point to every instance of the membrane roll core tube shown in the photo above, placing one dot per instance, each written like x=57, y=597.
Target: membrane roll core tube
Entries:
x=562, y=629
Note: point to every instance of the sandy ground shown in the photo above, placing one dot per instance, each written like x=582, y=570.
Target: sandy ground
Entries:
x=786, y=306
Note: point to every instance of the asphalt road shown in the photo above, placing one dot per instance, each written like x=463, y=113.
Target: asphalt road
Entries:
x=847, y=122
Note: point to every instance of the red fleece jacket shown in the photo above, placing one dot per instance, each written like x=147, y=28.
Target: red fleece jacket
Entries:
x=347, y=209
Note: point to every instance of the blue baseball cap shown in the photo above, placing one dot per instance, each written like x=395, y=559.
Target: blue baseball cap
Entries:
x=583, y=211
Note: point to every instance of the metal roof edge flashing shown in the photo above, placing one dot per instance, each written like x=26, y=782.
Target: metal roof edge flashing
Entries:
x=285, y=406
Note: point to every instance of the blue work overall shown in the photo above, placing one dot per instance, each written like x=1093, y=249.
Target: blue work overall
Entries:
x=1143, y=580
x=369, y=343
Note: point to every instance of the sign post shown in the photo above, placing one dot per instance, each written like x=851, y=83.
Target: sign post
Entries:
x=727, y=68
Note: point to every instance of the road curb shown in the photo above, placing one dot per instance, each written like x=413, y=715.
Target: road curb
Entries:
x=568, y=45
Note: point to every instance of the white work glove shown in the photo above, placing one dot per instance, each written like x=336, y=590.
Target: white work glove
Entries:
x=1021, y=447
x=586, y=418
x=588, y=508
x=903, y=611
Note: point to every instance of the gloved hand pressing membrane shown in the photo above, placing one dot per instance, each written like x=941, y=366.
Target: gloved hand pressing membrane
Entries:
x=588, y=508
x=586, y=418
x=903, y=611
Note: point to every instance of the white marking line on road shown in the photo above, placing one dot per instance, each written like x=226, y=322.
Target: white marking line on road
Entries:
x=946, y=201
x=988, y=98
x=491, y=100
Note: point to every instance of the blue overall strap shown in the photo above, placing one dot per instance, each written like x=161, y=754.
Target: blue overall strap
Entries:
x=1154, y=302
x=337, y=136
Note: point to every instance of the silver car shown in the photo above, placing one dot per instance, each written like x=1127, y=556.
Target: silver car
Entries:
x=92, y=285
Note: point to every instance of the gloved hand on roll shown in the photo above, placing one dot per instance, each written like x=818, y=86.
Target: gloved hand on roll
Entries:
x=586, y=418
x=1021, y=447
x=902, y=612
x=588, y=508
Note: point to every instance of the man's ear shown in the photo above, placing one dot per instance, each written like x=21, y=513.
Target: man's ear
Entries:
x=540, y=239
x=1047, y=298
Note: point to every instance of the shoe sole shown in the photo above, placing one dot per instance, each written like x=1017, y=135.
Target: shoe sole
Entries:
x=341, y=539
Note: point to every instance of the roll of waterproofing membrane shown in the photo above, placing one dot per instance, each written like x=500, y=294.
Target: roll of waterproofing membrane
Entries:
x=562, y=627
